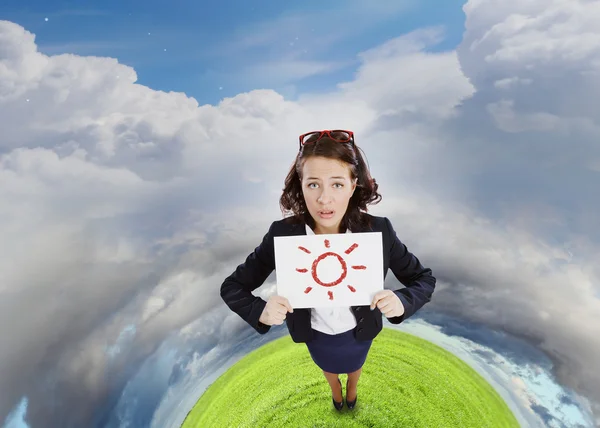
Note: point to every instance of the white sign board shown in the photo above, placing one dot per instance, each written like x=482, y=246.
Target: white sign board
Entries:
x=321, y=271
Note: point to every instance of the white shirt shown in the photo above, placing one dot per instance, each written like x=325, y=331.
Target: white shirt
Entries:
x=331, y=320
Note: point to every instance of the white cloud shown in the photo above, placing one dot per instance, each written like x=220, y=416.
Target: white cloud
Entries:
x=539, y=42
x=398, y=77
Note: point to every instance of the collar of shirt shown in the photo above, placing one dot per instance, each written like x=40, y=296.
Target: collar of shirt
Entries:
x=309, y=231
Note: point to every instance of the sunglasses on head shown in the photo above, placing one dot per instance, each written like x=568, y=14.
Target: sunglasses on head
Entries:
x=339, y=135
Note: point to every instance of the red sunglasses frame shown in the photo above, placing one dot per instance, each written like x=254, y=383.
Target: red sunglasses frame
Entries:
x=328, y=133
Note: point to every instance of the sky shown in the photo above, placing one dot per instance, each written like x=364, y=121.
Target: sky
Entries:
x=222, y=49
x=143, y=153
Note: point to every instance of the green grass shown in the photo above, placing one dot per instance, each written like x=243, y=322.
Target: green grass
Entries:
x=406, y=382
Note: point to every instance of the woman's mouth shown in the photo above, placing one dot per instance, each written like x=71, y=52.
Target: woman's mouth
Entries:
x=326, y=214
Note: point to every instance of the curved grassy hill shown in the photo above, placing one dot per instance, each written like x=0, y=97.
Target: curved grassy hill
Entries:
x=406, y=382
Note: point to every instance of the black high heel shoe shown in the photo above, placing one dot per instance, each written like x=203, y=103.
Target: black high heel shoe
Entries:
x=350, y=404
x=340, y=404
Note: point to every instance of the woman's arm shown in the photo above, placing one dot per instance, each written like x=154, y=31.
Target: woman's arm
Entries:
x=237, y=288
x=419, y=281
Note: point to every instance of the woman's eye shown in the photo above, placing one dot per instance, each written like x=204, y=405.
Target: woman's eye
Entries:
x=335, y=184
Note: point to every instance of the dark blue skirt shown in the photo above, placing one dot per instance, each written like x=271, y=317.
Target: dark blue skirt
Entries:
x=339, y=353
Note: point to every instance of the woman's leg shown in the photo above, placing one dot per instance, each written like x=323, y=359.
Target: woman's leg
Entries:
x=334, y=384
x=351, y=390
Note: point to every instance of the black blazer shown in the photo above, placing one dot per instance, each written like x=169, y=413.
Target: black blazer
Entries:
x=237, y=288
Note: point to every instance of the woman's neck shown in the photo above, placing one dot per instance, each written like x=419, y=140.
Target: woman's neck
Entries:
x=321, y=232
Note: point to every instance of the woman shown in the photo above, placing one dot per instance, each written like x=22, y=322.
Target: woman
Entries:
x=327, y=191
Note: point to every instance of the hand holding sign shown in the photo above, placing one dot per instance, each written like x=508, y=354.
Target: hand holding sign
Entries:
x=388, y=303
x=275, y=311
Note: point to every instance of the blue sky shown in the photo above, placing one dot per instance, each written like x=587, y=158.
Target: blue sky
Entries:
x=213, y=45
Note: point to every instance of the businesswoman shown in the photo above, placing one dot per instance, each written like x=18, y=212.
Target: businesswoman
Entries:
x=326, y=191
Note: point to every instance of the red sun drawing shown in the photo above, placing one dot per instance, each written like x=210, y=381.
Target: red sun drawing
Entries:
x=343, y=266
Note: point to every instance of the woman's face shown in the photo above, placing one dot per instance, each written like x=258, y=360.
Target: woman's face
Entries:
x=327, y=186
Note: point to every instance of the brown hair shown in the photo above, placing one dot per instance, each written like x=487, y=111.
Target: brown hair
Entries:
x=292, y=199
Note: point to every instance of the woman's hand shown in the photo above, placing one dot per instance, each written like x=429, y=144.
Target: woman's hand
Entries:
x=275, y=311
x=388, y=303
